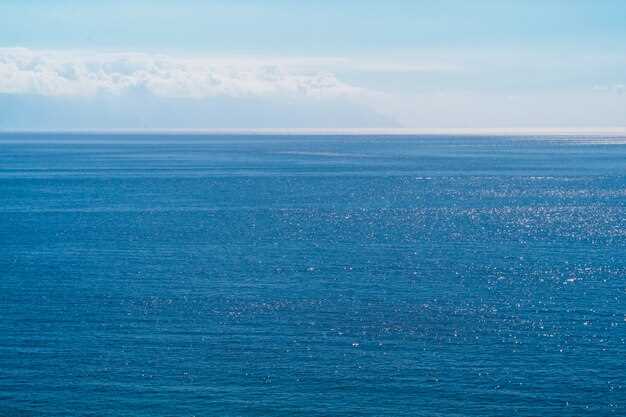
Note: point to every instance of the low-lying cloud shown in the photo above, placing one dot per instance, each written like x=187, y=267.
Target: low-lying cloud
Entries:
x=47, y=89
x=56, y=73
x=96, y=90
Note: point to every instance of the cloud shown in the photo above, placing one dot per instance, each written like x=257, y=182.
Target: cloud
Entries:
x=619, y=89
x=57, y=73
x=77, y=89
x=67, y=89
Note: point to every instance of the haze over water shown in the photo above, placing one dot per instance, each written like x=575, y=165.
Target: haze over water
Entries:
x=266, y=275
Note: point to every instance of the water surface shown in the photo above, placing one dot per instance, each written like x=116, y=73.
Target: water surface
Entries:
x=196, y=275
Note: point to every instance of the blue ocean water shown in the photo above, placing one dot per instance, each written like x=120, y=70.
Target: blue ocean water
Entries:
x=201, y=275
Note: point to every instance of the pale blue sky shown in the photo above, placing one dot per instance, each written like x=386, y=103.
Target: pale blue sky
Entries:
x=498, y=63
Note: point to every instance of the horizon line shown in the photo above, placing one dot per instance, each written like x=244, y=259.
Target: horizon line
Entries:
x=508, y=131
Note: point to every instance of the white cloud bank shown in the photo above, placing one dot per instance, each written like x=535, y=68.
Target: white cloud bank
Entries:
x=69, y=89
x=55, y=73
x=43, y=89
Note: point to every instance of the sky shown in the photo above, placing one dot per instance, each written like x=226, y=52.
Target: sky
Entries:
x=325, y=64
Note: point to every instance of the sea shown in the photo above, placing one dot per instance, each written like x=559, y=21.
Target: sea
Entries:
x=198, y=274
